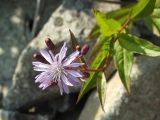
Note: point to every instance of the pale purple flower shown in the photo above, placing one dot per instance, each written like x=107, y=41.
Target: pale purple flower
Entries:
x=60, y=69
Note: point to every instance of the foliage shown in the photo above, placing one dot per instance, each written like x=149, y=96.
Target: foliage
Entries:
x=114, y=41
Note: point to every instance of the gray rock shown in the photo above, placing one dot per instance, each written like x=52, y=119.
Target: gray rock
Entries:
x=24, y=92
x=142, y=104
x=12, y=32
x=10, y=115
x=15, y=30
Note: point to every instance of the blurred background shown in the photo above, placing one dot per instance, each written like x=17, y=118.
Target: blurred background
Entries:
x=24, y=24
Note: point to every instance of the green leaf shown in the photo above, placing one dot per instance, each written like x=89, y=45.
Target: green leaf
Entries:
x=94, y=33
x=138, y=45
x=97, y=47
x=124, y=61
x=157, y=5
x=156, y=22
x=153, y=24
x=97, y=63
x=143, y=8
x=120, y=14
x=156, y=13
x=108, y=27
x=101, y=88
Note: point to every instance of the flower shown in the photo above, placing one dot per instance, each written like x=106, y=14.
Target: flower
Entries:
x=60, y=70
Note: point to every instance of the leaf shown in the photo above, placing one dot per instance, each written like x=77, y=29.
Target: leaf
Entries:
x=138, y=45
x=119, y=14
x=97, y=47
x=108, y=27
x=97, y=63
x=94, y=33
x=156, y=13
x=124, y=61
x=153, y=24
x=156, y=23
x=157, y=5
x=143, y=8
x=101, y=88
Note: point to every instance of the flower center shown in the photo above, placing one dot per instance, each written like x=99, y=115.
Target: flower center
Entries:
x=57, y=69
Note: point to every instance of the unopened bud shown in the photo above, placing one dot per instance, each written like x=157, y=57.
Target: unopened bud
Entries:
x=86, y=74
x=49, y=44
x=78, y=47
x=39, y=57
x=84, y=49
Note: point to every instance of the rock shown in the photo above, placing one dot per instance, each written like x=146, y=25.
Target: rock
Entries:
x=10, y=115
x=142, y=104
x=24, y=93
x=12, y=33
x=15, y=27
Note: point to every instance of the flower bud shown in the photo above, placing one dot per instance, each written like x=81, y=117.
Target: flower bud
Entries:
x=84, y=49
x=86, y=74
x=49, y=44
x=78, y=47
x=39, y=57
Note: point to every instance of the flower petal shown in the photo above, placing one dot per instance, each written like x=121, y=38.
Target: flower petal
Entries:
x=75, y=64
x=62, y=52
x=46, y=55
x=60, y=86
x=52, y=55
x=75, y=73
x=75, y=81
x=65, y=88
x=43, y=77
x=57, y=57
x=65, y=80
x=70, y=58
x=38, y=66
x=43, y=85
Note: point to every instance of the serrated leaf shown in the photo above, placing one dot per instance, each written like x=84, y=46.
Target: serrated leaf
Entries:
x=97, y=63
x=101, y=88
x=124, y=61
x=108, y=27
x=138, y=45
